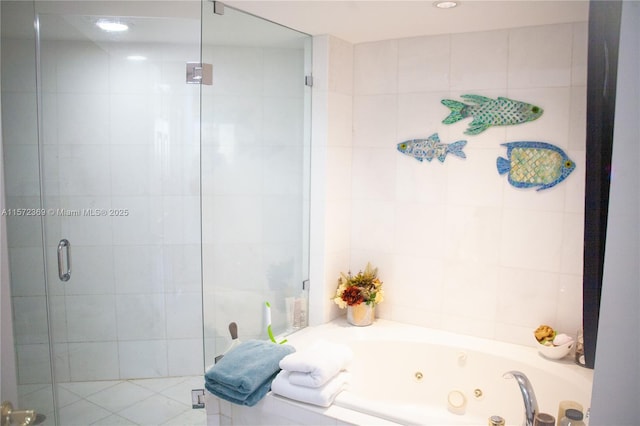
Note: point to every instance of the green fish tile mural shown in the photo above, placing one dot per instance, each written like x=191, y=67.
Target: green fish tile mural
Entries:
x=430, y=148
x=487, y=112
x=535, y=164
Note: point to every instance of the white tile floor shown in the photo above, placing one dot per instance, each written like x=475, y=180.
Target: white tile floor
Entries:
x=143, y=402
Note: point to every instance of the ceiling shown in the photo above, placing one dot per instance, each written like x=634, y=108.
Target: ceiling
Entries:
x=355, y=21
x=363, y=21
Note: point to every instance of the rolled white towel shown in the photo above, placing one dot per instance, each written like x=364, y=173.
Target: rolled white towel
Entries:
x=322, y=396
x=315, y=366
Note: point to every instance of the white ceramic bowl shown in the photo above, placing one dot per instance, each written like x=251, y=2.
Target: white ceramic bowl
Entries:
x=555, y=352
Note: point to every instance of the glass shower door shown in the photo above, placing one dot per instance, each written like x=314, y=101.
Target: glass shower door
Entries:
x=142, y=200
x=255, y=177
x=120, y=156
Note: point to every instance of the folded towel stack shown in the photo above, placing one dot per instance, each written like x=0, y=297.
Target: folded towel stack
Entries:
x=245, y=374
x=315, y=375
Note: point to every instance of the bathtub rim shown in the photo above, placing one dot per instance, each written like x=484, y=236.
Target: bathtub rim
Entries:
x=340, y=330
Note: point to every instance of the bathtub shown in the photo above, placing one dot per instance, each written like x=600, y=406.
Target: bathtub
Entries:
x=409, y=375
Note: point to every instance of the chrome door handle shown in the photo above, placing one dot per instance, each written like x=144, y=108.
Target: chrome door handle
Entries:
x=64, y=245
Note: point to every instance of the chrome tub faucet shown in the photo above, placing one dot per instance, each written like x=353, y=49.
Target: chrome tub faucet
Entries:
x=528, y=395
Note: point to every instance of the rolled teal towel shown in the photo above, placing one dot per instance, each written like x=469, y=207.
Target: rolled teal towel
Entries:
x=244, y=375
x=231, y=395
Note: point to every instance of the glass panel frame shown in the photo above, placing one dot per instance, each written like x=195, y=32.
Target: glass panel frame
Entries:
x=24, y=220
x=256, y=120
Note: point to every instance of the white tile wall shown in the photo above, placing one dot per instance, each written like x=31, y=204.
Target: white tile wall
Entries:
x=141, y=316
x=18, y=72
x=83, y=118
x=375, y=68
x=143, y=358
x=459, y=248
x=26, y=275
x=23, y=165
x=84, y=357
x=479, y=61
x=30, y=320
x=540, y=58
x=423, y=64
x=102, y=311
x=185, y=356
x=331, y=172
x=17, y=124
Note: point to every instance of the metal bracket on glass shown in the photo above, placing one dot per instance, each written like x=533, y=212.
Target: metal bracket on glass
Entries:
x=218, y=8
x=198, y=73
x=308, y=80
x=64, y=246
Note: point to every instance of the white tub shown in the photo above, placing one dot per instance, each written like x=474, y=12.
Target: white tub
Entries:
x=417, y=376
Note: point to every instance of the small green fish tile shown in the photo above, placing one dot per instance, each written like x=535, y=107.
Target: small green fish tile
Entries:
x=430, y=148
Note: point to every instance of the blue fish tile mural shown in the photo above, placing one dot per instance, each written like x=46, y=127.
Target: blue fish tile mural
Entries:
x=430, y=148
x=535, y=164
x=487, y=112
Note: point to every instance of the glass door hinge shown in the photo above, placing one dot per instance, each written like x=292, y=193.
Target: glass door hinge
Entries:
x=308, y=80
x=199, y=73
x=197, y=398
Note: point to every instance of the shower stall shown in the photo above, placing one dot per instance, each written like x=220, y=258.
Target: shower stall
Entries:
x=156, y=161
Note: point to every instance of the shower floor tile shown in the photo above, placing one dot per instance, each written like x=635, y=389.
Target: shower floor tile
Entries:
x=155, y=410
x=117, y=398
x=141, y=402
x=81, y=413
x=115, y=420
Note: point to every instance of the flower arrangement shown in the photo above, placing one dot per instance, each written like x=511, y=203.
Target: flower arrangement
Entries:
x=365, y=287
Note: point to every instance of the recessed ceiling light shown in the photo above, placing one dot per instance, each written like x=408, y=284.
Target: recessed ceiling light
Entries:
x=445, y=4
x=136, y=58
x=111, y=26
